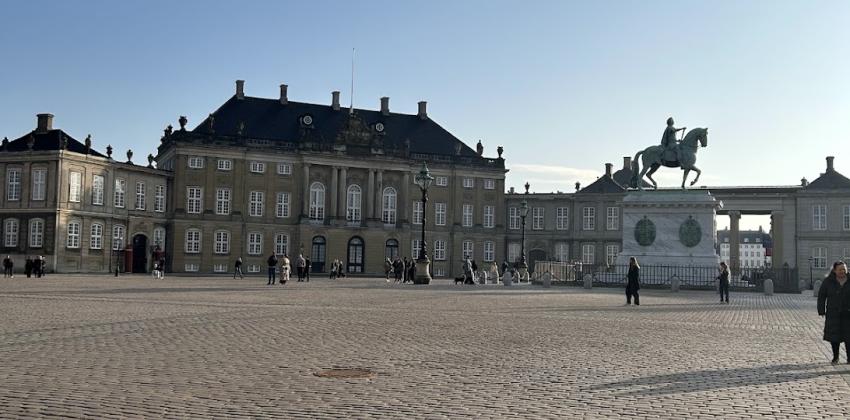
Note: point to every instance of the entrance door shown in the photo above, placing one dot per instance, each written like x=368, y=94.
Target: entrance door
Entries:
x=317, y=255
x=391, y=250
x=355, y=255
x=140, y=253
x=533, y=256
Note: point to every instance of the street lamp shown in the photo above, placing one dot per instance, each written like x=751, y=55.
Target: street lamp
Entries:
x=423, y=276
x=811, y=274
x=523, y=266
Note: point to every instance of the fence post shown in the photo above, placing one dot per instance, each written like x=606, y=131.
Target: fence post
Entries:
x=547, y=279
x=674, y=283
x=768, y=287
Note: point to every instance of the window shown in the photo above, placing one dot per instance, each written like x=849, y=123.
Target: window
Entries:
x=120, y=191
x=537, y=218
x=159, y=199
x=417, y=212
x=846, y=256
x=39, y=184
x=513, y=218
x=191, y=267
x=159, y=237
x=219, y=268
x=846, y=218
x=13, y=182
x=73, y=234
x=196, y=162
x=588, y=218
x=117, y=237
x=819, y=217
x=440, y=214
x=467, y=249
x=224, y=165
x=389, y=206
x=253, y=268
x=441, y=181
x=222, y=201
x=36, y=233
x=317, y=201
x=282, y=205
x=258, y=167
x=489, y=251
x=611, y=252
x=513, y=252
x=391, y=249
x=281, y=242
x=588, y=254
x=562, y=218
x=612, y=219
x=489, y=216
x=562, y=252
x=11, y=233
x=819, y=257
x=222, y=242
x=140, y=196
x=193, y=241
x=440, y=250
x=415, y=248
x=97, y=190
x=468, y=183
x=353, y=201
x=255, y=207
x=96, y=236
x=467, y=215
x=193, y=200
x=284, y=169
x=489, y=184
x=75, y=180
x=255, y=243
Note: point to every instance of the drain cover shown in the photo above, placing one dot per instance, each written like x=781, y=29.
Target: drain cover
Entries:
x=345, y=373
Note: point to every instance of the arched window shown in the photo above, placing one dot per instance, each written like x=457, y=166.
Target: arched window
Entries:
x=355, y=255
x=118, y=237
x=36, y=233
x=389, y=205
x=317, y=254
x=354, y=199
x=391, y=249
x=317, y=201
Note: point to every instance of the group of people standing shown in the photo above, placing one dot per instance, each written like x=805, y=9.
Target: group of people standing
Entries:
x=633, y=282
x=302, y=268
x=403, y=270
x=33, y=266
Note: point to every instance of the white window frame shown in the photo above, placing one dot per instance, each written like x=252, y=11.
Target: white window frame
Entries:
x=282, y=205
x=562, y=252
x=538, y=221
x=219, y=268
x=612, y=218
x=819, y=217
x=588, y=218
x=417, y=213
x=439, y=214
x=159, y=199
x=75, y=187
x=36, y=237
x=389, y=205
x=353, y=203
x=562, y=218
x=588, y=253
x=256, y=202
x=489, y=221
x=74, y=235
x=39, y=184
x=281, y=244
x=489, y=251
x=13, y=184
x=611, y=252
x=819, y=257
x=317, y=201
x=468, y=182
x=441, y=181
x=192, y=242
x=159, y=237
x=255, y=243
x=514, y=251
x=284, y=168
x=513, y=218
x=468, y=249
x=489, y=184
x=257, y=167
x=141, y=191
x=96, y=236
x=118, y=236
x=222, y=201
x=224, y=165
x=194, y=199
x=195, y=162
x=414, y=248
x=97, y=189
x=466, y=219
x=846, y=218
x=118, y=199
x=439, y=250
x=191, y=267
x=221, y=244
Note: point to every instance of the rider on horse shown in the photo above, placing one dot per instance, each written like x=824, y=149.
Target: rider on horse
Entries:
x=669, y=142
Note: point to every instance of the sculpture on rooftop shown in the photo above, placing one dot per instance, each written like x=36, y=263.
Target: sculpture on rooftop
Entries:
x=672, y=153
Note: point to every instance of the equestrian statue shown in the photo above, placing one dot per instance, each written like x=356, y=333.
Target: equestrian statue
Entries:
x=672, y=153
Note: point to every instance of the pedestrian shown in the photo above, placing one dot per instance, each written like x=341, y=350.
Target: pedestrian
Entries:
x=388, y=268
x=237, y=269
x=494, y=272
x=633, y=282
x=28, y=267
x=299, y=267
x=398, y=269
x=284, y=269
x=411, y=271
x=724, y=281
x=467, y=272
x=307, y=265
x=474, y=271
x=272, y=263
x=8, y=267
x=405, y=266
x=834, y=304
x=42, y=266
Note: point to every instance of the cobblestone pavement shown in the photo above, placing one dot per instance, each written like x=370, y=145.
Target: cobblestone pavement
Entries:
x=101, y=347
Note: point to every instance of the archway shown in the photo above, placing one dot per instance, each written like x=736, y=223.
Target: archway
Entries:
x=140, y=253
x=535, y=255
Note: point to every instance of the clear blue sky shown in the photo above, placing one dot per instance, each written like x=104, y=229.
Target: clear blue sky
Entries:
x=563, y=86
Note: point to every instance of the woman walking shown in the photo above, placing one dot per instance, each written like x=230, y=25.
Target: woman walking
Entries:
x=834, y=304
x=724, y=281
x=634, y=282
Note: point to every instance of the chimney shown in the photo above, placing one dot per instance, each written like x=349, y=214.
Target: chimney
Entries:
x=627, y=162
x=423, y=113
x=608, y=167
x=45, y=123
x=335, y=100
x=385, y=106
x=240, y=89
x=511, y=190
x=829, y=163
x=283, y=99
x=578, y=186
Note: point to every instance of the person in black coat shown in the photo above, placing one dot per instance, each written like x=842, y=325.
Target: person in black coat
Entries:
x=834, y=304
x=724, y=281
x=633, y=285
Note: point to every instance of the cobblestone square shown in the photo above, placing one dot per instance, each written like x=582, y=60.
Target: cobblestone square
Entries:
x=106, y=347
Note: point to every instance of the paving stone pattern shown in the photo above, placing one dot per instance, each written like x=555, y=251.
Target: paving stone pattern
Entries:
x=134, y=347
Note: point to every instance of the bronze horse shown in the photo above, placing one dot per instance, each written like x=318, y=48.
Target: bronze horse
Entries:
x=651, y=159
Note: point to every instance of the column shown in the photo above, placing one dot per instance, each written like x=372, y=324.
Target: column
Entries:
x=379, y=191
x=368, y=194
x=332, y=204
x=407, y=203
x=343, y=191
x=305, y=192
x=777, y=258
x=734, y=242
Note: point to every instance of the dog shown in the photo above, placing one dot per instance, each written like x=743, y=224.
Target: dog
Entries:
x=460, y=280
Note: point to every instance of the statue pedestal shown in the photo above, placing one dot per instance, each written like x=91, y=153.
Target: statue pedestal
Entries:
x=670, y=228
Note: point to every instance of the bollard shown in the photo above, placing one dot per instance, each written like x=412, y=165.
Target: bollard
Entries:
x=816, y=288
x=674, y=284
x=508, y=279
x=588, y=281
x=547, y=279
x=768, y=287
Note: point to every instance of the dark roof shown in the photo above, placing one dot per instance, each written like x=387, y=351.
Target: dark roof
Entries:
x=829, y=180
x=269, y=119
x=605, y=184
x=624, y=178
x=47, y=140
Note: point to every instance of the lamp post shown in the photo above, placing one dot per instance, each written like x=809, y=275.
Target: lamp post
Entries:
x=811, y=274
x=523, y=266
x=423, y=276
